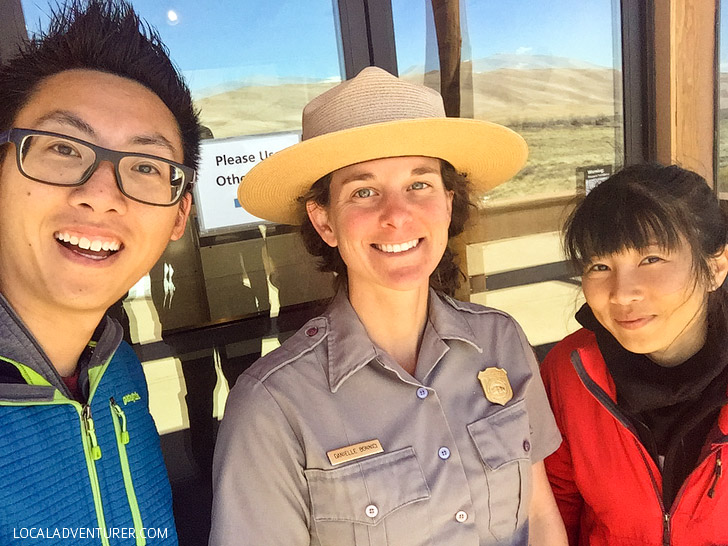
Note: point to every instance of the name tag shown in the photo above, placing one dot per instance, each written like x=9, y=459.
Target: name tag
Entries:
x=356, y=451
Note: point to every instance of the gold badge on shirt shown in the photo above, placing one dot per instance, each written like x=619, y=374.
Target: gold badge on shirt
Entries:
x=356, y=451
x=495, y=384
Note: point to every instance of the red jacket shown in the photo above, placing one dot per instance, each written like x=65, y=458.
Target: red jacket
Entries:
x=608, y=488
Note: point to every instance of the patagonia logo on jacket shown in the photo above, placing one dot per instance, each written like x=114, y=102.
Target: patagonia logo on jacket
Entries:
x=131, y=397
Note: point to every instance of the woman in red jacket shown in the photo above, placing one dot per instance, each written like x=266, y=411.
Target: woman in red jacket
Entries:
x=640, y=392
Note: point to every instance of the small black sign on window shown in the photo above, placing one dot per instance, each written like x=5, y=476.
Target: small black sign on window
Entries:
x=589, y=177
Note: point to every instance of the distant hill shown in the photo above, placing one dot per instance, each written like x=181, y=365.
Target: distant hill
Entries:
x=517, y=61
x=510, y=89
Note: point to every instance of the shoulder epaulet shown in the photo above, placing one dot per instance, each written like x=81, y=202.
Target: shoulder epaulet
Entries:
x=304, y=340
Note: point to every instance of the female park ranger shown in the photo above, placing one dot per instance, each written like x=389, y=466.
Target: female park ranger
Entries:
x=400, y=416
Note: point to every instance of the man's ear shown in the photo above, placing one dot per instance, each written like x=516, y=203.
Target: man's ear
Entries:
x=319, y=217
x=183, y=212
x=719, y=268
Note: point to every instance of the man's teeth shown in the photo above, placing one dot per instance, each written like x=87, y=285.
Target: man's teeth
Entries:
x=88, y=244
x=399, y=247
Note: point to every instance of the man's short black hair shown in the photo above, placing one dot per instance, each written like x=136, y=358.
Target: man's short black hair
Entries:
x=103, y=35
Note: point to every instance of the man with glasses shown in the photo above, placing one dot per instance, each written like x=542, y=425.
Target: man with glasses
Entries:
x=98, y=145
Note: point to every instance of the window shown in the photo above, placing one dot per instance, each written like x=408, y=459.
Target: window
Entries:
x=552, y=72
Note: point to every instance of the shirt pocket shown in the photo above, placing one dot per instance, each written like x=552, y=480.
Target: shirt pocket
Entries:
x=364, y=500
x=503, y=442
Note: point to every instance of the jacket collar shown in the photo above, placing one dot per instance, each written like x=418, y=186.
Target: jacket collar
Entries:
x=593, y=364
x=18, y=344
x=350, y=349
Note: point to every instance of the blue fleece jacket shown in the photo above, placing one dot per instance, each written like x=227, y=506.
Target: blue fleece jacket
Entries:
x=78, y=473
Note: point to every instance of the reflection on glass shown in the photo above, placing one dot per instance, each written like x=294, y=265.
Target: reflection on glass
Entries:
x=251, y=65
x=549, y=70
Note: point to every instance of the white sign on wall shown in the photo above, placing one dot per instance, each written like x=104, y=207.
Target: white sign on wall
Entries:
x=223, y=164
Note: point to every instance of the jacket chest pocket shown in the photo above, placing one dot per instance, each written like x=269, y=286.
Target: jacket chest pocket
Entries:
x=503, y=442
x=366, y=502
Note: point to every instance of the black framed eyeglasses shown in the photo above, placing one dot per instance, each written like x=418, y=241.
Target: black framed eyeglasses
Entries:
x=61, y=160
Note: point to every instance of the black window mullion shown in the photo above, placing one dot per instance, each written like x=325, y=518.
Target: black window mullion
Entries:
x=381, y=35
x=638, y=80
x=367, y=35
x=354, y=36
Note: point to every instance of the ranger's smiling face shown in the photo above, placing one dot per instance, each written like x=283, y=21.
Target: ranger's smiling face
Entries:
x=389, y=219
x=83, y=247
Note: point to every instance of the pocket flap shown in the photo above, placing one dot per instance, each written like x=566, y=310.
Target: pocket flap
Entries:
x=386, y=482
x=503, y=436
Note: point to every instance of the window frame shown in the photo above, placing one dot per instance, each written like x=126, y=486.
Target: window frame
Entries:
x=12, y=28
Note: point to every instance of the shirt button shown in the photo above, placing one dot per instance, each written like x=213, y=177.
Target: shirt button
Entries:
x=312, y=331
x=461, y=516
x=422, y=393
x=526, y=446
x=371, y=511
x=444, y=453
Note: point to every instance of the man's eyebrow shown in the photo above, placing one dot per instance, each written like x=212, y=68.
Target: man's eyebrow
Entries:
x=155, y=139
x=65, y=117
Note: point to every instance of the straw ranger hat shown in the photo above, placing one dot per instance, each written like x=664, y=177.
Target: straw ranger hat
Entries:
x=373, y=116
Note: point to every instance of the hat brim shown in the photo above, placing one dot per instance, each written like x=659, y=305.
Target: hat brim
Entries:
x=489, y=154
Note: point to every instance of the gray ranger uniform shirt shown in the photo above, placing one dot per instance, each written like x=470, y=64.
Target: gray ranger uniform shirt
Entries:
x=454, y=468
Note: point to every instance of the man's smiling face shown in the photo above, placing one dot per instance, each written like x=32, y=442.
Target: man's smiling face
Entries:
x=83, y=247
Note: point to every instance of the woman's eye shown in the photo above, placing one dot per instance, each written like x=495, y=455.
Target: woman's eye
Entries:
x=419, y=185
x=652, y=259
x=596, y=267
x=363, y=193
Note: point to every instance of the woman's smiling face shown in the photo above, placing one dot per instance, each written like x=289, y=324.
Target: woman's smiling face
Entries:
x=389, y=219
x=650, y=300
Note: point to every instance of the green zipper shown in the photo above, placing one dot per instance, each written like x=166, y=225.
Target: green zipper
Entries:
x=93, y=454
x=122, y=438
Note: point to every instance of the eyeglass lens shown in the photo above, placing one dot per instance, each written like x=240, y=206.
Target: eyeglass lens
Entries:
x=60, y=161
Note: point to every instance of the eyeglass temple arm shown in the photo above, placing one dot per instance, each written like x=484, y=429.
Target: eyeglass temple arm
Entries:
x=4, y=137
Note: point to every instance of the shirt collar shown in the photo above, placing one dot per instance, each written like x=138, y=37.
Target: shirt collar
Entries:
x=449, y=319
x=350, y=348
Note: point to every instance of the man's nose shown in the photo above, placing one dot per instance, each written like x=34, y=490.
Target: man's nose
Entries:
x=101, y=191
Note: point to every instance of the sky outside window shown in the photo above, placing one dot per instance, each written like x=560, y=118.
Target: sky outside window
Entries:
x=225, y=43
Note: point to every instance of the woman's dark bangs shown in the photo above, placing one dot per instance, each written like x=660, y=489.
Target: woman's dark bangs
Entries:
x=600, y=227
